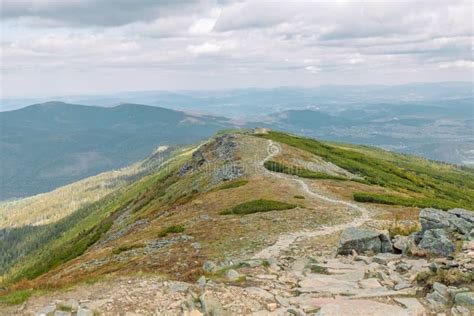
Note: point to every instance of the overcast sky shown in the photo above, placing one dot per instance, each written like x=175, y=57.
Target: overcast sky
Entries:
x=57, y=47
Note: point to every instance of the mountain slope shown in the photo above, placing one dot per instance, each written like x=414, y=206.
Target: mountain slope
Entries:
x=185, y=213
x=48, y=145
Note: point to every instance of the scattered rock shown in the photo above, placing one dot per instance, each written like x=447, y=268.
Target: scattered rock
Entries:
x=201, y=282
x=210, y=305
x=465, y=298
x=84, y=311
x=363, y=241
x=209, y=266
x=47, y=310
x=462, y=213
x=232, y=275
x=384, y=258
x=196, y=245
x=437, y=242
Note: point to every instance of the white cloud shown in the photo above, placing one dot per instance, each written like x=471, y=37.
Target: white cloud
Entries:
x=237, y=42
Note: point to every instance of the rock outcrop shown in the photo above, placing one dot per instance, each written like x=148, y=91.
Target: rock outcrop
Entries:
x=362, y=241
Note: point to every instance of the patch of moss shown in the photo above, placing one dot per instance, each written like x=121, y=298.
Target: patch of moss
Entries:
x=276, y=166
x=256, y=206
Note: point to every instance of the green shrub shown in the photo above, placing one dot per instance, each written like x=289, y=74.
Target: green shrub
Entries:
x=171, y=230
x=233, y=184
x=123, y=248
x=315, y=268
x=256, y=206
x=398, y=200
x=300, y=197
x=276, y=166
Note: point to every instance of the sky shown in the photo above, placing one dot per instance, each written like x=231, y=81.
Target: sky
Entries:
x=59, y=47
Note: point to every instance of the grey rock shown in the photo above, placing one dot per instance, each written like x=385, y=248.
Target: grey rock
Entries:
x=204, y=217
x=209, y=266
x=464, y=214
x=62, y=313
x=84, y=311
x=431, y=218
x=465, y=298
x=404, y=243
x=260, y=292
x=232, y=275
x=73, y=304
x=47, y=310
x=210, y=305
x=460, y=310
x=384, y=258
x=176, y=287
x=437, y=242
x=201, y=282
x=402, y=285
x=362, y=241
x=461, y=225
x=196, y=245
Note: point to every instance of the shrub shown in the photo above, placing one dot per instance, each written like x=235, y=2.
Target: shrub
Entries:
x=171, y=230
x=123, y=248
x=256, y=206
x=315, y=268
x=233, y=184
x=398, y=200
x=276, y=166
x=299, y=197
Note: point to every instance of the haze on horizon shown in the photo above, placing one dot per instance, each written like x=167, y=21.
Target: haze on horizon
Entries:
x=52, y=47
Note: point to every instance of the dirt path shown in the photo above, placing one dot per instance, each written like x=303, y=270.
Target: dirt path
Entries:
x=284, y=241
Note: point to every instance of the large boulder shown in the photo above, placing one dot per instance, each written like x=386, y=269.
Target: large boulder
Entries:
x=454, y=220
x=362, y=241
x=432, y=218
x=464, y=214
x=436, y=241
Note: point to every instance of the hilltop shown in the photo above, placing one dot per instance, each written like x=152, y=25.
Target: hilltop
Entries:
x=250, y=211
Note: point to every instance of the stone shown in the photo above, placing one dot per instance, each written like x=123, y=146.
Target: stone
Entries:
x=201, y=282
x=196, y=245
x=461, y=225
x=362, y=241
x=176, y=287
x=209, y=266
x=210, y=305
x=232, y=275
x=62, y=313
x=464, y=214
x=401, y=285
x=370, y=283
x=413, y=306
x=460, y=310
x=359, y=307
x=404, y=244
x=72, y=304
x=47, y=310
x=260, y=293
x=437, y=242
x=439, y=298
x=384, y=258
x=465, y=298
x=84, y=311
x=431, y=218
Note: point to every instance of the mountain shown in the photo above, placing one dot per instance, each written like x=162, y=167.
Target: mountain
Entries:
x=252, y=201
x=44, y=146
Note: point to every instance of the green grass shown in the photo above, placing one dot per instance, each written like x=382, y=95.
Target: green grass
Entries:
x=232, y=185
x=16, y=297
x=124, y=248
x=276, y=166
x=439, y=184
x=171, y=230
x=256, y=206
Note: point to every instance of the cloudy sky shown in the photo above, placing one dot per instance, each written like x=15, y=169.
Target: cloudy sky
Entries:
x=56, y=47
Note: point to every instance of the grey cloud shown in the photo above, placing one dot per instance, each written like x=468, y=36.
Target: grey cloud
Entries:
x=97, y=12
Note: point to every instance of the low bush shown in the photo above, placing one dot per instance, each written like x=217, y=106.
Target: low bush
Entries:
x=256, y=206
x=232, y=184
x=16, y=297
x=398, y=200
x=171, y=230
x=276, y=166
x=300, y=197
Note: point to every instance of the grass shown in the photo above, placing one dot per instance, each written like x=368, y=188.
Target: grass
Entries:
x=16, y=297
x=232, y=185
x=276, y=166
x=318, y=269
x=428, y=183
x=256, y=206
x=174, y=229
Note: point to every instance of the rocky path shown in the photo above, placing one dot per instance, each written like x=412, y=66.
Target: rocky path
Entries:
x=284, y=241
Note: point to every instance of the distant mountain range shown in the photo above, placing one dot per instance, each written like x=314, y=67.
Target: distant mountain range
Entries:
x=48, y=145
